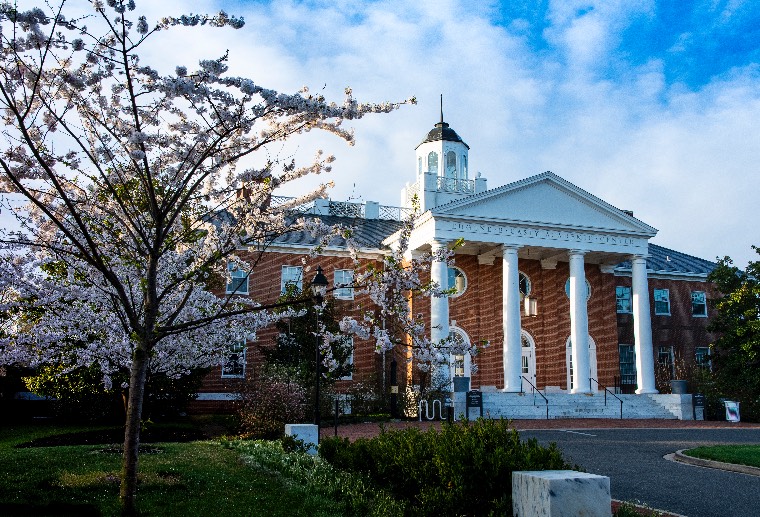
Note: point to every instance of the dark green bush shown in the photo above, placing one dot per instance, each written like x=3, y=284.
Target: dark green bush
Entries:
x=463, y=469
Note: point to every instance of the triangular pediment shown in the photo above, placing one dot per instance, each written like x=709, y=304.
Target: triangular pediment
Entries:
x=544, y=200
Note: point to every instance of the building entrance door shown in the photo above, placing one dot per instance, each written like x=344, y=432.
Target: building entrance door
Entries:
x=528, y=369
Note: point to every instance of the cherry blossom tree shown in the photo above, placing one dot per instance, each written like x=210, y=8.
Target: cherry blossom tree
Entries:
x=138, y=194
x=140, y=190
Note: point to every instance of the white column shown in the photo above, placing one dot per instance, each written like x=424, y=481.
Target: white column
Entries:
x=439, y=312
x=642, y=326
x=512, y=355
x=579, y=323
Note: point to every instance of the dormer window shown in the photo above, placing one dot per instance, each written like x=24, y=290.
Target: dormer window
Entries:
x=463, y=172
x=451, y=164
x=433, y=162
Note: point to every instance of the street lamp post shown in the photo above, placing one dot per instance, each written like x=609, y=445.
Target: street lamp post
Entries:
x=318, y=291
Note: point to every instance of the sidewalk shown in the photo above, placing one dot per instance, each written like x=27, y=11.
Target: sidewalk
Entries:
x=370, y=429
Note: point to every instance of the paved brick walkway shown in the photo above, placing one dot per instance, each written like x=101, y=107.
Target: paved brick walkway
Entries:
x=370, y=429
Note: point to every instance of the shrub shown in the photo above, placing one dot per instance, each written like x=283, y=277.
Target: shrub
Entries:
x=268, y=402
x=463, y=469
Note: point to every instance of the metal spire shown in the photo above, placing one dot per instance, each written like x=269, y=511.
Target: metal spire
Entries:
x=441, y=108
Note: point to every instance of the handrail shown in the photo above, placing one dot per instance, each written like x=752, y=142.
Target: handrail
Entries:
x=605, y=395
x=536, y=390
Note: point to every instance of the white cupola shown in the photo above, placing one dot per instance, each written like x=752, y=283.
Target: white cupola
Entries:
x=442, y=169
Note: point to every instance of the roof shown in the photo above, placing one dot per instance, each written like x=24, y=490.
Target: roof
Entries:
x=666, y=261
x=442, y=131
x=368, y=233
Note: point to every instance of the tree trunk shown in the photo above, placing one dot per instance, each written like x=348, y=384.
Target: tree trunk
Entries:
x=137, y=378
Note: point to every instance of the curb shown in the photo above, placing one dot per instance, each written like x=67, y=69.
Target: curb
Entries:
x=645, y=510
x=680, y=457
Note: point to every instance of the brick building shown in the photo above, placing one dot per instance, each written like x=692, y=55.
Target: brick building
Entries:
x=544, y=265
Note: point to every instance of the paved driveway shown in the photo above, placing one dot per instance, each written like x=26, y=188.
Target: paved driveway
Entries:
x=633, y=459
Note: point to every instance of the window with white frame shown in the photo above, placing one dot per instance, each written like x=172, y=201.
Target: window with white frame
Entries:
x=567, y=289
x=234, y=364
x=433, y=162
x=698, y=304
x=292, y=276
x=238, y=280
x=419, y=165
x=623, y=299
x=463, y=174
x=524, y=285
x=451, y=164
x=662, y=302
x=457, y=280
x=344, y=278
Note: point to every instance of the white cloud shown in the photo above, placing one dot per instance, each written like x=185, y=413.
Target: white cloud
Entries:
x=684, y=159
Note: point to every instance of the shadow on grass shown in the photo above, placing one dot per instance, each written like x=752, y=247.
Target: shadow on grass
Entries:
x=49, y=510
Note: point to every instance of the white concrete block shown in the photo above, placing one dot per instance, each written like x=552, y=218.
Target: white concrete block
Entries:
x=308, y=433
x=560, y=493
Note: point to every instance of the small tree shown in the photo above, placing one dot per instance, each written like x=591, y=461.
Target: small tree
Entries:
x=736, y=354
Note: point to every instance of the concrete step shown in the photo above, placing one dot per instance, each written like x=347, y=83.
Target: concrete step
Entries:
x=564, y=405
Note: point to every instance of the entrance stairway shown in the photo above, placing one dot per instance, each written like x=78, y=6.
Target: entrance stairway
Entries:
x=564, y=405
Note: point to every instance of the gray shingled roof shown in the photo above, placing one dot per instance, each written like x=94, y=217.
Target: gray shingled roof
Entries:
x=664, y=260
x=442, y=131
x=368, y=233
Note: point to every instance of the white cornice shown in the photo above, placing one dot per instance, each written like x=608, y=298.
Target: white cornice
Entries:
x=330, y=251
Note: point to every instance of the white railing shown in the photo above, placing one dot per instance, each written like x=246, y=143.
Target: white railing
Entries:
x=345, y=209
x=456, y=186
x=342, y=209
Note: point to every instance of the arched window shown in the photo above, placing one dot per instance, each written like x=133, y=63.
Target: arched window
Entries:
x=458, y=280
x=419, y=165
x=525, y=286
x=463, y=172
x=528, y=366
x=433, y=162
x=567, y=289
x=461, y=364
x=451, y=164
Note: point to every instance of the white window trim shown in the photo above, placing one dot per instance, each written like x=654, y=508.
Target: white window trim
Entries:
x=589, y=292
x=654, y=300
x=704, y=303
x=466, y=282
x=284, y=284
x=343, y=293
x=630, y=299
x=231, y=272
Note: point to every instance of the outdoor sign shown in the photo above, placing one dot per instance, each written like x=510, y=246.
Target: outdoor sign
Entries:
x=732, y=411
x=474, y=400
x=698, y=401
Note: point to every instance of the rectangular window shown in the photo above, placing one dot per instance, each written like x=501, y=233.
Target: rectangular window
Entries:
x=702, y=357
x=234, y=364
x=348, y=364
x=623, y=297
x=665, y=359
x=627, y=368
x=344, y=277
x=662, y=302
x=698, y=304
x=238, y=281
x=291, y=276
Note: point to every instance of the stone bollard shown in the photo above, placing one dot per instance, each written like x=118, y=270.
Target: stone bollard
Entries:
x=560, y=493
x=308, y=433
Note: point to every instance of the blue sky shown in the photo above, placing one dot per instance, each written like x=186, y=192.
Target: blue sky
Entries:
x=652, y=106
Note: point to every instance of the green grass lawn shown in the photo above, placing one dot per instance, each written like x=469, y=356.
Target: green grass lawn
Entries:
x=183, y=479
x=740, y=454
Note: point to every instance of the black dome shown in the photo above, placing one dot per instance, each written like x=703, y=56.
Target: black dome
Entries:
x=442, y=131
